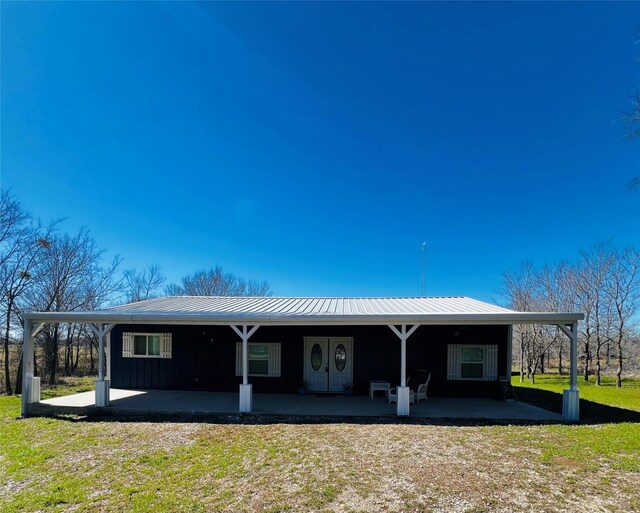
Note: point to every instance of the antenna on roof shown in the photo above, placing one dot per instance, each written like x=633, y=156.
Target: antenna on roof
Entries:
x=424, y=250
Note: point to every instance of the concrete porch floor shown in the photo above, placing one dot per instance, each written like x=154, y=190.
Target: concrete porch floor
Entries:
x=165, y=401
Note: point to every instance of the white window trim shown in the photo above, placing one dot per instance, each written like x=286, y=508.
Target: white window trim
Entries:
x=274, y=359
x=128, y=345
x=489, y=362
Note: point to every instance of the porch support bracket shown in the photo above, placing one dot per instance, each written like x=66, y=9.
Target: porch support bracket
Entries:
x=36, y=328
x=102, y=385
x=571, y=397
x=403, y=390
x=246, y=399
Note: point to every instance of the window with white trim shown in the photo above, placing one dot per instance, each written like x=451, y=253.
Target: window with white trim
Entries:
x=264, y=359
x=469, y=362
x=146, y=345
x=472, y=362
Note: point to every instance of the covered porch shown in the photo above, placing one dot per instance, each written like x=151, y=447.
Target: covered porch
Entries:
x=398, y=318
x=136, y=402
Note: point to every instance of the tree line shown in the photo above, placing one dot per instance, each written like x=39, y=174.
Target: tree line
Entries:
x=42, y=268
x=604, y=284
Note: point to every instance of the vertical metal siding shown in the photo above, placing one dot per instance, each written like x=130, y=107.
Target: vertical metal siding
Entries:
x=212, y=357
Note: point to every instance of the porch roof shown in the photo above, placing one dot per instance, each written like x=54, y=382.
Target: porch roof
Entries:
x=307, y=311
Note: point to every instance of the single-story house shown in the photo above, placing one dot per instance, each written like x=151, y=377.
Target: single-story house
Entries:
x=276, y=344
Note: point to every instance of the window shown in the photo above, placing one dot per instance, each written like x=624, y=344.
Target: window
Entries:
x=264, y=359
x=472, y=362
x=258, y=359
x=146, y=345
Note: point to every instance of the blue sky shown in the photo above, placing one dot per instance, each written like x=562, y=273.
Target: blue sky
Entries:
x=317, y=145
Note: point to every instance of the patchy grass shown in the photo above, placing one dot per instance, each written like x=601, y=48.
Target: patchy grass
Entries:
x=68, y=386
x=83, y=465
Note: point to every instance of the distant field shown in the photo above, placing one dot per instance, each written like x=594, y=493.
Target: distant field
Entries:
x=88, y=465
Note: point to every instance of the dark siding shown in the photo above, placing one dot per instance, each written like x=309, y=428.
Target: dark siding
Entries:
x=427, y=349
x=203, y=358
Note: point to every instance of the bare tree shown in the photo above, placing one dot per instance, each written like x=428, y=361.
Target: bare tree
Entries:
x=604, y=284
x=623, y=289
x=74, y=279
x=522, y=291
x=558, y=291
x=13, y=220
x=215, y=282
x=21, y=247
x=632, y=117
x=139, y=286
x=593, y=272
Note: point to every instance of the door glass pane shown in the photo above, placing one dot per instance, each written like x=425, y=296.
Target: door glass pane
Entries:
x=154, y=344
x=316, y=357
x=341, y=357
x=140, y=344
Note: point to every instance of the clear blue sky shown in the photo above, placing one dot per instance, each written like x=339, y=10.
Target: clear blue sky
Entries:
x=316, y=146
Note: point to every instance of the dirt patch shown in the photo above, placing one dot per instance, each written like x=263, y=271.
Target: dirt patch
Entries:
x=342, y=467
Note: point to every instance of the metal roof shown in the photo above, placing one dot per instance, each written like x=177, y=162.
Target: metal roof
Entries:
x=307, y=310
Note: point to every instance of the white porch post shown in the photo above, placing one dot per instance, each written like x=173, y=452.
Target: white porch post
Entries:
x=404, y=393
x=30, y=383
x=102, y=384
x=571, y=397
x=27, y=366
x=246, y=390
x=403, y=357
x=107, y=351
x=509, y=352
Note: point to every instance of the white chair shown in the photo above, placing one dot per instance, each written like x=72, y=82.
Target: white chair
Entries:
x=393, y=393
x=393, y=396
x=421, y=393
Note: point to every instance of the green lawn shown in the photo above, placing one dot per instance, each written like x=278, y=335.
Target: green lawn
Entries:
x=607, y=393
x=81, y=465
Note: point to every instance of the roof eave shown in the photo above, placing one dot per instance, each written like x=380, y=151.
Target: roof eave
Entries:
x=110, y=317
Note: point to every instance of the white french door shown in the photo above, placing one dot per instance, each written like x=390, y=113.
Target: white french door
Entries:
x=328, y=363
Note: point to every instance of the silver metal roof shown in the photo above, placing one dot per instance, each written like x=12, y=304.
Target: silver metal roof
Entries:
x=308, y=310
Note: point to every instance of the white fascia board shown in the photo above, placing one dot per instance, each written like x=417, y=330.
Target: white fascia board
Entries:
x=111, y=317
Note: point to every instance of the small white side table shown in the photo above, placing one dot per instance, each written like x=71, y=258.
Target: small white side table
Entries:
x=384, y=386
